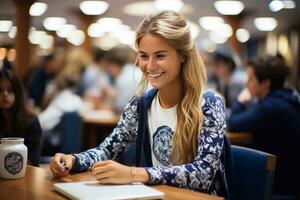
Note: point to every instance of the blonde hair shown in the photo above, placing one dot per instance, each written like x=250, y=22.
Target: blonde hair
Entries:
x=174, y=28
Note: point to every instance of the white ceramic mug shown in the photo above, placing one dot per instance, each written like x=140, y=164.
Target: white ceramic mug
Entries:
x=13, y=158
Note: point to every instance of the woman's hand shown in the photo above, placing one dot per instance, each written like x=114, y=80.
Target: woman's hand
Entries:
x=114, y=173
x=61, y=164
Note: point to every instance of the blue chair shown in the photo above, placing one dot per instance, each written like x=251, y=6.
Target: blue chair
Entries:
x=70, y=131
x=253, y=173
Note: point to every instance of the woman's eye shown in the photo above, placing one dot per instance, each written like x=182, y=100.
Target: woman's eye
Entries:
x=144, y=57
x=160, y=56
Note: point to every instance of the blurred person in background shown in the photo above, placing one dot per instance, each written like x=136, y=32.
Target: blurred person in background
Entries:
x=96, y=78
x=15, y=119
x=42, y=77
x=64, y=100
x=230, y=80
x=124, y=74
x=274, y=119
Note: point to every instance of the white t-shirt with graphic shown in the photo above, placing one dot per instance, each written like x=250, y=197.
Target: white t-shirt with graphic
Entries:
x=162, y=125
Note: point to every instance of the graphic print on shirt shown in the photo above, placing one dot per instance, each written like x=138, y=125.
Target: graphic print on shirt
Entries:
x=162, y=144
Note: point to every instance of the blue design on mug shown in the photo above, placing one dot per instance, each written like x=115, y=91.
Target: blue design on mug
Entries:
x=13, y=162
x=162, y=144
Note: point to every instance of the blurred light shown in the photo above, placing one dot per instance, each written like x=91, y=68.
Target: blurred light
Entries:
x=2, y=53
x=125, y=37
x=217, y=37
x=289, y=4
x=53, y=23
x=229, y=7
x=76, y=38
x=276, y=5
x=109, y=20
x=283, y=45
x=46, y=42
x=194, y=28
x=38, y=9
x=208, y=45
x=242, y=35
x=5, y=25
x=93, y=7
x=211, y=22
x=107, y=42
x=174, y=5
x=12, y=32
x=65, y=30
x=36, y=37
x=265, y=23
x=142, y=8
x=95, y=30
x=224, y=30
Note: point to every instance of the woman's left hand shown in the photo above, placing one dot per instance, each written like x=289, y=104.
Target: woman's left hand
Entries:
x=112, y=172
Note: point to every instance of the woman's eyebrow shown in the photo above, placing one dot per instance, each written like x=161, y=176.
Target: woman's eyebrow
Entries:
x=157, y=52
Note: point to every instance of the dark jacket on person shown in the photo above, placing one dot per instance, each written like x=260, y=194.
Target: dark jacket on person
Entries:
x=275, y=124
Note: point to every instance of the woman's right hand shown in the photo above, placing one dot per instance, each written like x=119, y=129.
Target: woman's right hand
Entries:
x=61, y=164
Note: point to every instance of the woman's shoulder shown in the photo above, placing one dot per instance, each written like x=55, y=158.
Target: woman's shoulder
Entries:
x=212, y=98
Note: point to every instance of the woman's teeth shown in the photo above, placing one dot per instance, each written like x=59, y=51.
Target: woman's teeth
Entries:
x=156, y=75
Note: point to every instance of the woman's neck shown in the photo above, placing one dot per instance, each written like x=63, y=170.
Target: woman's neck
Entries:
x=169, y=97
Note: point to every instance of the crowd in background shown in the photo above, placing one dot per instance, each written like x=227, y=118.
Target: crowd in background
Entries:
x=256, y=97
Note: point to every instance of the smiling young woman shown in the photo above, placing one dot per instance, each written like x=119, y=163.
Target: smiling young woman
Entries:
x=178, y=128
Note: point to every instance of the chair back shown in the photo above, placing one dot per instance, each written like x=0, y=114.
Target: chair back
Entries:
x=70, y=130
x=253, y=173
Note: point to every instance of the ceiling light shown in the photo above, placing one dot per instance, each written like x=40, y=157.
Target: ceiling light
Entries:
x=289, y=4
x=38, y=9
x=174, y=5
x=54, y=23
x=46, y=42
x=65, y=30
x=217, y=38
x=142, y=8
x=12, y=32
x=76, y=38
x=229, y=7
x=93, y=7
x=276, y=5
x=95, y=30
x=265, y=23
x=35, y=37
x=211, y=22
x=242, y=35
x=5, y=25
x=109, y=20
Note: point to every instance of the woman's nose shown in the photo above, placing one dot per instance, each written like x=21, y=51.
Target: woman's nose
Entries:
x=151, y=63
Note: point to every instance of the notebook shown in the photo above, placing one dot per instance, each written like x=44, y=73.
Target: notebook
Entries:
x=92, y=190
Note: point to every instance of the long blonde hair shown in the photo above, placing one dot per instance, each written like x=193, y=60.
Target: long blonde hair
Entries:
x=174, y=28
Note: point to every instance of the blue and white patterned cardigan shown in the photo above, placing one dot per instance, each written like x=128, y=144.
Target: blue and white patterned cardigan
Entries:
x=198, y=175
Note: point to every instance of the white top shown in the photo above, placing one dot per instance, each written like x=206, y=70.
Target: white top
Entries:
x=66, y=101
x=162, y=125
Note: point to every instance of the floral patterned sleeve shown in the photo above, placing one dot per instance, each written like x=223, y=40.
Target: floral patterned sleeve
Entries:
x=117, y=142
x=199, y=175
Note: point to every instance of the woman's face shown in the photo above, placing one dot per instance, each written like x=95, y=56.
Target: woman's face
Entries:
x=7, y=95
x=160, y=62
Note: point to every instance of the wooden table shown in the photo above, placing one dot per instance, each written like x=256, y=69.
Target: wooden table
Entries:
x=37, y=184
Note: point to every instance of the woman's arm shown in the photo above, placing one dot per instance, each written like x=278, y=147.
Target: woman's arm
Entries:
x=200, y=173
x=116, y=143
